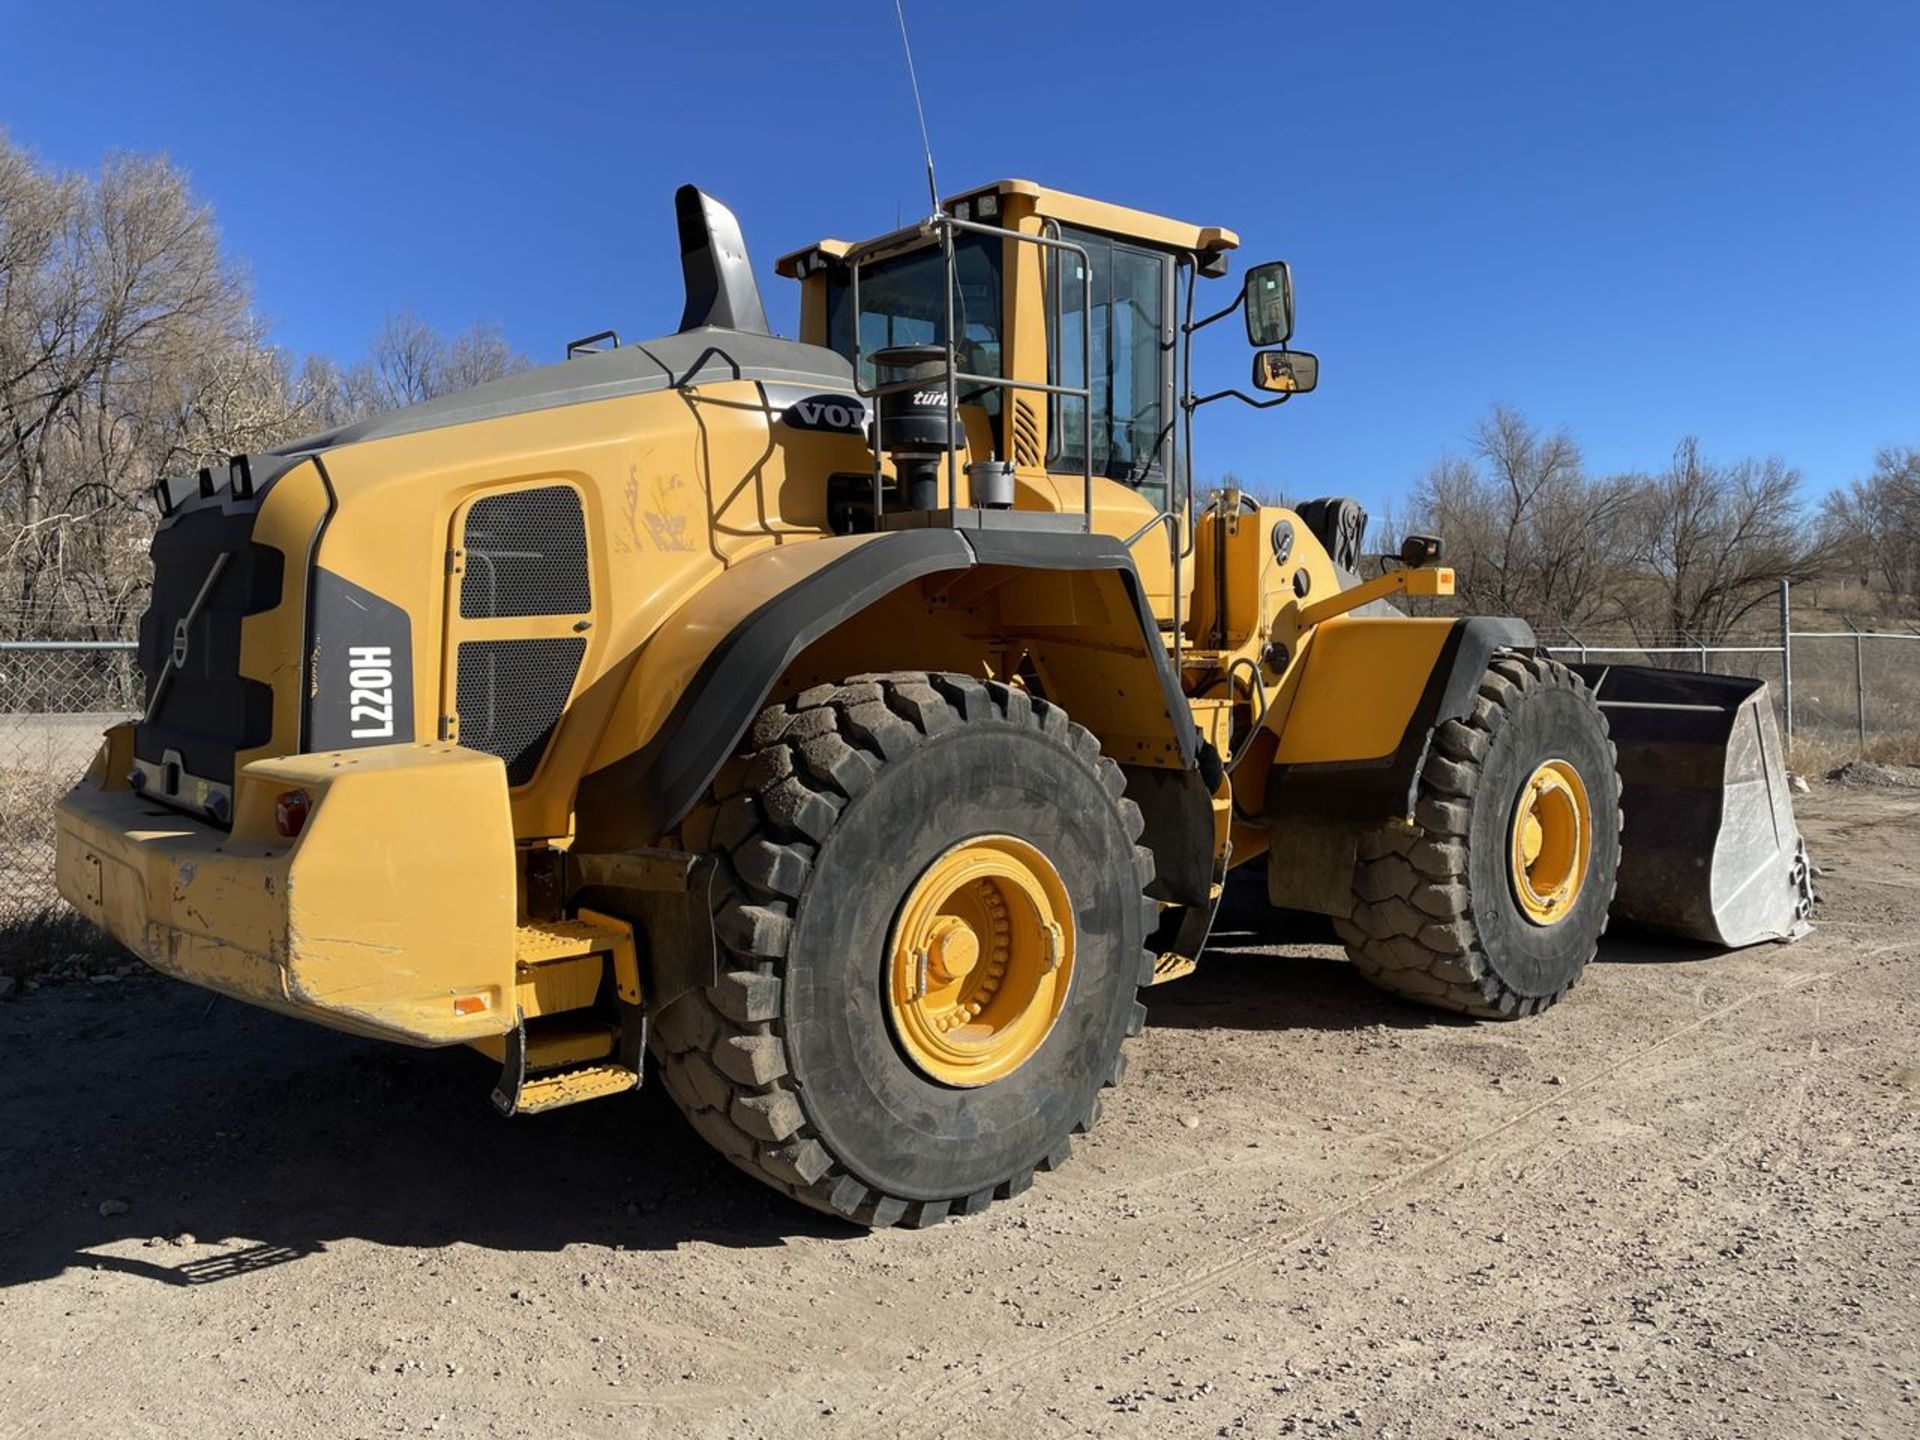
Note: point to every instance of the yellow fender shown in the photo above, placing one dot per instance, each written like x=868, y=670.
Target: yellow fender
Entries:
x=1366, y=695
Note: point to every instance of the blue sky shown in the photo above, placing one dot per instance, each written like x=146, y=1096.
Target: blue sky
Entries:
x=1641, y=220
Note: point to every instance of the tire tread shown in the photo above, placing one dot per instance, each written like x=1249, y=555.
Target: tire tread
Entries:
x=1411, y=930
x=802, y=763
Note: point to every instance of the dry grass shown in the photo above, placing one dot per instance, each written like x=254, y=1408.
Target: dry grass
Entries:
x=1826, y=750
x=39, y=936
x=56, y=944
x=26, y=840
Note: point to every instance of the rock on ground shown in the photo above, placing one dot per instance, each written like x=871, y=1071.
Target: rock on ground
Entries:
x=1872, y=774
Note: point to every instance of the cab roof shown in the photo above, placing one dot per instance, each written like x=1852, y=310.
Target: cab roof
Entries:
x=1068, y=209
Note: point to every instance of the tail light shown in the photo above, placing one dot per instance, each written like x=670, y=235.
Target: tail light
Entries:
x=290, y=809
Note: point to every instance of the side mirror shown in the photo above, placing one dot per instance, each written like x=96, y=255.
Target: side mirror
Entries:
x=1287, y=372
x=1269, y=293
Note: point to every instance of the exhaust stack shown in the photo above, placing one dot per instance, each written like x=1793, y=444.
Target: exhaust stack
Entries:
x=721, y=290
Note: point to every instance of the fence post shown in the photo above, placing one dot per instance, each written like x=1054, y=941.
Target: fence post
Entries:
x=1699, y=645
x=1860, y=683
x=1786, y=657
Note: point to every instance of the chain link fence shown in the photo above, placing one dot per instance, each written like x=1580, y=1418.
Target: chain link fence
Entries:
x=1836, y=693
x=1856, y=692
x=56, y=696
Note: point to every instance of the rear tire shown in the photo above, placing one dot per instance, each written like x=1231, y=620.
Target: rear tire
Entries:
x=1438, y=914
x=839, y=804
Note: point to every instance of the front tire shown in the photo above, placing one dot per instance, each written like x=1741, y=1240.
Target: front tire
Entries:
x=862, y=1053
x=1493, y=902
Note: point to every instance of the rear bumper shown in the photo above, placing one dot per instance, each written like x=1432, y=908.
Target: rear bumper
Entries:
x=392, y=914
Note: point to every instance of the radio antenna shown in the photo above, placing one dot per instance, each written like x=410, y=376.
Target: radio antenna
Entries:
x=913, y=78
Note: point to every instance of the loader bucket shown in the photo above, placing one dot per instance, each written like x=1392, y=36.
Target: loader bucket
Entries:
x=1709, y=850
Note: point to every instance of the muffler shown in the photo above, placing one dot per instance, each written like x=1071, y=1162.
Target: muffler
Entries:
x=1710, y=850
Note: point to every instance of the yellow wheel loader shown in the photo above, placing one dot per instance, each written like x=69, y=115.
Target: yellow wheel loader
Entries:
x=849, y=728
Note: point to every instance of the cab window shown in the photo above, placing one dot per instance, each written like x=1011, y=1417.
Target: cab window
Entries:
x=900, y=304
x=1131, y=361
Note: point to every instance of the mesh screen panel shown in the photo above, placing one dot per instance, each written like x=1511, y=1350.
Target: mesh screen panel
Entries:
x=526, y=555
x=509, y=694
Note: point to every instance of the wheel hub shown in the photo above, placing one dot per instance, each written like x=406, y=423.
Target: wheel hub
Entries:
x=1550, y=840
x=980, y=961
x=953, y=949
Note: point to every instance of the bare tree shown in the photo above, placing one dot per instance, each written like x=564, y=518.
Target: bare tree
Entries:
x=410, y=361
x=1694, y=549
x=476, y=355
x=129, y=350
x=1873, y=527
x=126, y=343
x=1716, y=539
x=405, y=361
x=1527, y=530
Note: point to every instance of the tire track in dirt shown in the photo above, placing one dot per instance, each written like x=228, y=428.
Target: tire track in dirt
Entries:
x=1255, y=1249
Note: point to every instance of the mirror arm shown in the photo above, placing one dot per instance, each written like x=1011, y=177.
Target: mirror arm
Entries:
x=1193, y=325
x=1194, y=403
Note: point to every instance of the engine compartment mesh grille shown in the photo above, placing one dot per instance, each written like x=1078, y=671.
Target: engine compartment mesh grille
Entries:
x=526, y=554
x=509, y=695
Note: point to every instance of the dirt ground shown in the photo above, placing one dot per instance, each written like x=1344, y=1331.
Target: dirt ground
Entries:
x=1685, y=1203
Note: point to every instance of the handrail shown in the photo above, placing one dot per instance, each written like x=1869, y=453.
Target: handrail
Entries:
x=942, y=228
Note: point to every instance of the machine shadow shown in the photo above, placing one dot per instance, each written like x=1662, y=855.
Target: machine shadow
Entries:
x=1283, y=970
x=267, y=1139
x=1265, y=969
x=1628, y=944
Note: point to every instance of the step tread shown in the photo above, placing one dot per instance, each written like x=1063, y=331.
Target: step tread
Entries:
x=557, y=1088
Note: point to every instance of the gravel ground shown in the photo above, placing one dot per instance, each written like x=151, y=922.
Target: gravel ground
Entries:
x=1684, y=1204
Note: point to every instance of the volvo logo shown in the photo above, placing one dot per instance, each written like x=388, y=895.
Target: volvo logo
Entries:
x=179, y=644
x=846, y=414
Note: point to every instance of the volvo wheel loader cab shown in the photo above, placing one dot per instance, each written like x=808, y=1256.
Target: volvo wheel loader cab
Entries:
x=848, y=729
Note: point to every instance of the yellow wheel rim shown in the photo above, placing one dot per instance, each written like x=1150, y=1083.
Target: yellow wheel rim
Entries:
x=1552, y=834
x=980, y=961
